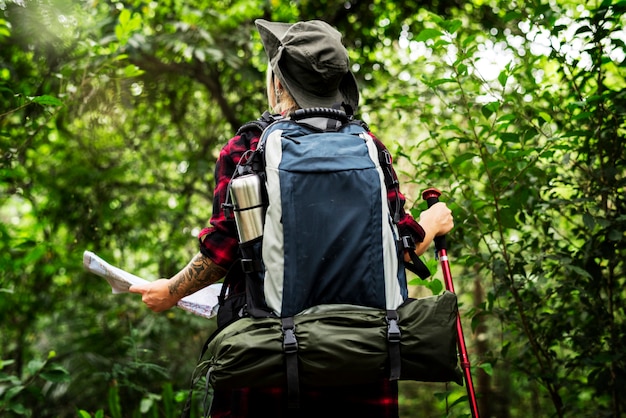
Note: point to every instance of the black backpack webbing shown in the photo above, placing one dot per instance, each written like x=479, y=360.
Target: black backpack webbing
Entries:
x=290, y=348
x=406, y=242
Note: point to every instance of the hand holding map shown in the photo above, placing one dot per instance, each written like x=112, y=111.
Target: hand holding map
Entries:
x=203, y=303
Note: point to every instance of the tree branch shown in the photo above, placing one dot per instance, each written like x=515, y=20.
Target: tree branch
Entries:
x=198, y=71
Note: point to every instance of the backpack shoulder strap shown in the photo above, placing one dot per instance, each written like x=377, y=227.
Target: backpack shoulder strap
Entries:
x=260, y=124
x=406, y=243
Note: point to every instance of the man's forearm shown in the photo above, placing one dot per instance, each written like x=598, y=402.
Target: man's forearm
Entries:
x=199, y=273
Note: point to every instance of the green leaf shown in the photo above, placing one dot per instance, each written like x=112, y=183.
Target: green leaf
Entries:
x=13, y=391
x=115, y=408
x=507, y=217
x=46, y=100
x=453, y=25
x=490, y=108
x=128, y=23
x=463, y=157
x=530, y=133
x=507, y=117
x=146, y=404
x=615, y=235
x=487, y=368
x=435, y=286
x=419, y=282
x=583, y=29
x=578, y=271
x=35, y=366
x=545, y=116
x=469, y=41
x=441, y=81
x=132, y=71
x=459, y=401
x=124, y=17
x=10, y=379
x=119, y=34
x=512, y=15
x=6, y=363
x=503, y=77
x=509, y=137
x=428, y=34
x=55, y=374
x=582, y=115
x=18, y=408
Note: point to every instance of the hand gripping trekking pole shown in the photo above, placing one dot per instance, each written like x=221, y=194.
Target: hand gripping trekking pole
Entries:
x=431, y=196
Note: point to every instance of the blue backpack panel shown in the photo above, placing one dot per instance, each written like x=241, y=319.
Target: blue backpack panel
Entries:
x=328, y=237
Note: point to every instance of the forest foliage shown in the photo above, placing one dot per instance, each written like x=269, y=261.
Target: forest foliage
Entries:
x=112, y=114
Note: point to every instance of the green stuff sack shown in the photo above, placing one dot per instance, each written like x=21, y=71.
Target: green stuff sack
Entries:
x=428, y=347
x=340, y=345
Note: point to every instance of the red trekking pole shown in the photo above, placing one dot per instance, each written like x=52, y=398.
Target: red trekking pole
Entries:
x=431, y=196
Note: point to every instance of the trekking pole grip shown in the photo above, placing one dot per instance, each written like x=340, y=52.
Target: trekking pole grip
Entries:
x=431, y=196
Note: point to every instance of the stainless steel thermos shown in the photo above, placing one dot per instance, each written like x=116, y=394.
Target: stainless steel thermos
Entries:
x=249, y=209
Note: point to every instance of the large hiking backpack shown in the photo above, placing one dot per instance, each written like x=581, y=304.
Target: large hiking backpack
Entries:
x=325, y=299
x=328, y=236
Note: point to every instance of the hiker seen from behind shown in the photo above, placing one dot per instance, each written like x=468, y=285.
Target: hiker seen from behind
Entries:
x=331, y=244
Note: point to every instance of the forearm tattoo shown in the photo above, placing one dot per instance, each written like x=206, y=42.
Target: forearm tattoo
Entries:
x=199, y=273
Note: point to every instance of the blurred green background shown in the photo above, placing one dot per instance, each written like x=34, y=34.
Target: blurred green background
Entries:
x=111, y=117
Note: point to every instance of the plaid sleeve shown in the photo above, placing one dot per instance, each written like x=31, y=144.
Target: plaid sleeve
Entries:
x=219, y=241
x=407, y=225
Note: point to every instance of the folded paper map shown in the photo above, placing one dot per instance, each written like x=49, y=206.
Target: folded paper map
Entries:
x=203, y=303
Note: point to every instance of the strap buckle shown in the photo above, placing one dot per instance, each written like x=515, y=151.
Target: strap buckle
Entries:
x=228, y=210
x=408, y=243
x=250, y=265
x=394, y=334
x=290, y=343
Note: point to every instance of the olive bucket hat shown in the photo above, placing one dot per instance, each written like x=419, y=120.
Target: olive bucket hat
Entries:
x=310, y=61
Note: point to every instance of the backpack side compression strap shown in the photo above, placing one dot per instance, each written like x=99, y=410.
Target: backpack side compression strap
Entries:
x=417, y=266
x=393, y=344
x=290, y=349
